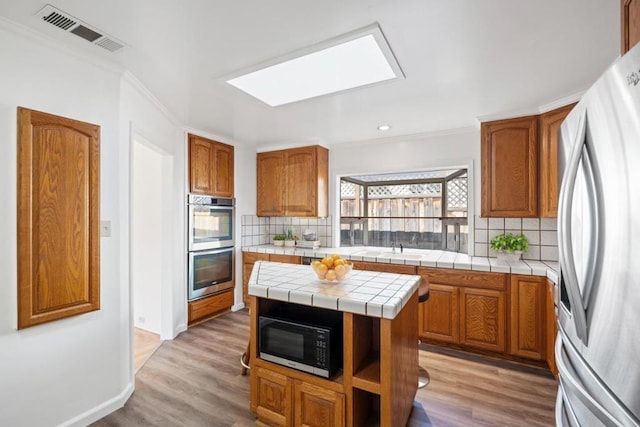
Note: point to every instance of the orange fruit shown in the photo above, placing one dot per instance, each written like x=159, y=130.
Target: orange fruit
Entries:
x=340, y=270
x=331, y=275
x=321, y=271
x=335, y=256
x=328, y=261
x=338, y=262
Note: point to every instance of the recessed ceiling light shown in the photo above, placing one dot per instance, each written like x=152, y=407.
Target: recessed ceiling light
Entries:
x=384, y=127
x=354, y=60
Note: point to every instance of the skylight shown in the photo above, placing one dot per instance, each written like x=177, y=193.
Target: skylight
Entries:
x=358, y=59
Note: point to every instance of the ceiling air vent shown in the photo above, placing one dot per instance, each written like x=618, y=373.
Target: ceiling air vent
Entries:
x=72, y=25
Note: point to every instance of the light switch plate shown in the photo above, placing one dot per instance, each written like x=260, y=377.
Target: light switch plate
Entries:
x=105, y=228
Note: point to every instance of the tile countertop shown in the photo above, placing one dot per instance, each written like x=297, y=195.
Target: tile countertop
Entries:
x=422, y=258
x=368, y=293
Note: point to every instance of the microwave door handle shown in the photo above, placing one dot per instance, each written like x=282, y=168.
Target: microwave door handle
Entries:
x=565, y=252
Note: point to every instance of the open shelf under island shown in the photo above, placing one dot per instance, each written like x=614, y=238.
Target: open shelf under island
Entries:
x=379, y=375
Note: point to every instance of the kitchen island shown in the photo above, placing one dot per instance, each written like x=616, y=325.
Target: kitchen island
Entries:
x=379, y=375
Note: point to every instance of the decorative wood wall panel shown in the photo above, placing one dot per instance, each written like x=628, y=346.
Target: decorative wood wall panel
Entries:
x=58, y=217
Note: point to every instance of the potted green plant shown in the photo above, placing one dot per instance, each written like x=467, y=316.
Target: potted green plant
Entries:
x=289, y=240
x=510, y=247
x=278, y=239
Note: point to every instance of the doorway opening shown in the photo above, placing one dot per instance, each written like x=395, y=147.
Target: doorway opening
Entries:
x=150, y=268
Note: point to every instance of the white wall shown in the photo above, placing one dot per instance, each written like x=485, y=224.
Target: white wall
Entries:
x=147, y=234
x=71, y=370
x=142, y=117
x=411, y=153
x=245, y=190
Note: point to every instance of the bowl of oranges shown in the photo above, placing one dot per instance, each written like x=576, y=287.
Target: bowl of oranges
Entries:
x=332, y=268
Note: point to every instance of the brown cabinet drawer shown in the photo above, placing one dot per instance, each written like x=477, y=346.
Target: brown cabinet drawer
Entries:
x=385, y=268
x=289, y=259
x=254, y=256
x=209, y=306
x=474, y=279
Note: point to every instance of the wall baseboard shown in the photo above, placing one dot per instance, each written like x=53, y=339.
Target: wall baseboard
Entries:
x=102, y=410
x=236, y=307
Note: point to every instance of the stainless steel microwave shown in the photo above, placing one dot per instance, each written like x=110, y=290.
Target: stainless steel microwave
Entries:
x=303, y=342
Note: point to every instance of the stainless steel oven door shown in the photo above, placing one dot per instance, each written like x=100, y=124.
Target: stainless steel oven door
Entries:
x=210, y=227
x=210, y=272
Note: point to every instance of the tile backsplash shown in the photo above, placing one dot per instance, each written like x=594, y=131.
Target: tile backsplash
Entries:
x=260, y=230
x=541, y=232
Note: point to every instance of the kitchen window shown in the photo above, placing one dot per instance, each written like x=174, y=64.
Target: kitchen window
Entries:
x=423, y=210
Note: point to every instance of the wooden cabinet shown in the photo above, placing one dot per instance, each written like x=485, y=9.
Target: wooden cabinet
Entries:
x=249, y=258
x=440, y=321
x=293, y=182
x=466, y=308
x=509, y=151
x=527, y=317
x=284, y=401
x=549, y=126
x=58, y=232
x=288, y=259
x=483, y=319
x=273, y=403
x=272, y=183
x=630, y=24
x=211, y=166
x=318, y=407
x=376, y=386
x=206, y=308
x=551, y=326
x=384, y=268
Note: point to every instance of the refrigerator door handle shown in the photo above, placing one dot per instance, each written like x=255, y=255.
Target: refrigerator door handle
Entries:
x=565, y=417
x=567, y=266
x=568, y=382
x=594, y=208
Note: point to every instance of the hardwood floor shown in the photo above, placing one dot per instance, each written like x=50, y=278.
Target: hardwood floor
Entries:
x=145, y=343
x=195, y=380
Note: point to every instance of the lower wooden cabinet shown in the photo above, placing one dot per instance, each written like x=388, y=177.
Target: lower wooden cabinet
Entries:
x=439, y=316
x=527, y=317
x=552, y=326
x=248, y=259
x=483, y=319
x=465, y=307
x=314, y=406
x=273, y=397
x=317, y=407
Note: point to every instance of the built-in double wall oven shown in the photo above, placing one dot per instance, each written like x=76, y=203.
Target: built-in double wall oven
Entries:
x=211, y=245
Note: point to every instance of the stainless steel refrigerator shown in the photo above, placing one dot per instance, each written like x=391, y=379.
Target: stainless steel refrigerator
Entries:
x=598, y=344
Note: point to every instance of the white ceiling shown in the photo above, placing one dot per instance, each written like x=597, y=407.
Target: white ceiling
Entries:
x=463, y=59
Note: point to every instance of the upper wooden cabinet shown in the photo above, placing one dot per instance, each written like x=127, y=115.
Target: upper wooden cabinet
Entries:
x=630, y=24
x=510, y=168
x=293, y=182
x=210, y=167
x=549, y=126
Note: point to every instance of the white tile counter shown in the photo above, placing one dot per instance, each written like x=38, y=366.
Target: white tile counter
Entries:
x=368, y=293
x=422, y=258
